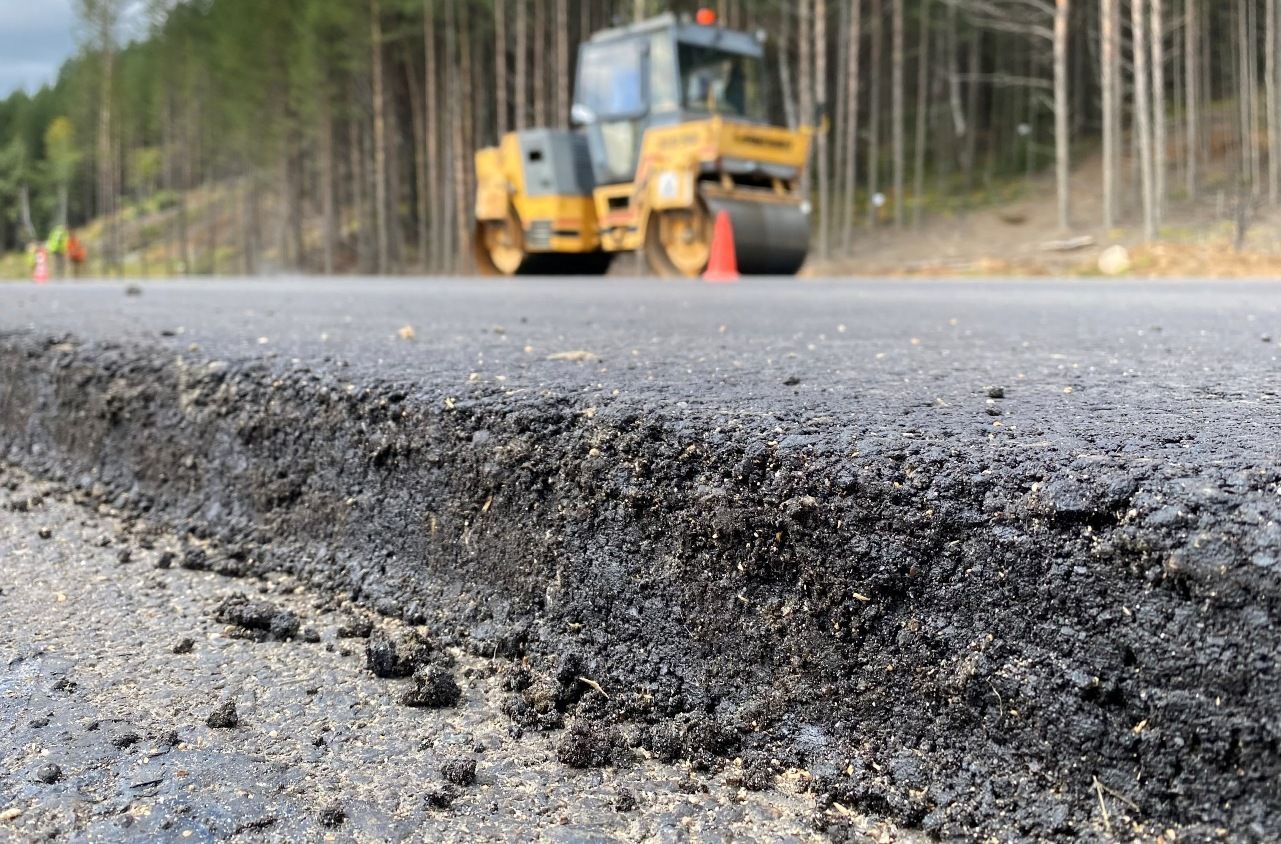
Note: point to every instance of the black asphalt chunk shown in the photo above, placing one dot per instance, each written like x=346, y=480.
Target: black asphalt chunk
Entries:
x=434, y=688
x=396, y=654
x=261, y=620
x=224, y=717
x=459, y=771
x=332, y=815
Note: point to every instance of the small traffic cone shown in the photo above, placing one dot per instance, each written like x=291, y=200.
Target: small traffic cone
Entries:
x=723, y=266
x=41, y=274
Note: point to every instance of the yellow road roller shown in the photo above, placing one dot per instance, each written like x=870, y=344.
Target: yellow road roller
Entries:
x=670, y=129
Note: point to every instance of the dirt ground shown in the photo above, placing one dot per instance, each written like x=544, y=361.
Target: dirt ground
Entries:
x=110, y=668
x=1021, y=237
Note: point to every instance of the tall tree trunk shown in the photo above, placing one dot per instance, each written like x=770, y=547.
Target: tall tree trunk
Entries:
x=820, y=93
x=805, y=81
x=432, y=125
x=380, y=135
x=24, y=210
x=355, y=145
x=500, y=67
x=1160, y=139
x=521, y=81
x=973, y=66
x=922, y=114
x=1270, y=94
x=329, y=223
x=898, y=110
x=840, y=125
x=874, y=112
x=562, y=63
x=785, y=71
x=1110, y=61
x=1252, y=60
x=462, y=146
x=541, y=93
x=854, y=40
x=419, y=120
x=184, y=232
x=1062, y=155
x=1243, y=94
x=1143, y=122
x=106, y=156
x=1192, y=93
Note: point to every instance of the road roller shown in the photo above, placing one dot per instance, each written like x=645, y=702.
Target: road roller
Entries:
x=669, y=129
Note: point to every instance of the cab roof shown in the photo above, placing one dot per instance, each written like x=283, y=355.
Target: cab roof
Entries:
x=687, y=32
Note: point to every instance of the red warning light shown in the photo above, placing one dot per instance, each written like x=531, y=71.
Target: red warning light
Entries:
x=706, y=17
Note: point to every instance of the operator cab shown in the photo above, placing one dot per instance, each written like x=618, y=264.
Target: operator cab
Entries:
x=657, y=73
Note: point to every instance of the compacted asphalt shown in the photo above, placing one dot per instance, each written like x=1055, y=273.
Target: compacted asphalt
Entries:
x=976, y=557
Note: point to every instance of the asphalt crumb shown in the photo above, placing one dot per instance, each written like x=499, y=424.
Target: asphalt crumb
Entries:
x=433, y=688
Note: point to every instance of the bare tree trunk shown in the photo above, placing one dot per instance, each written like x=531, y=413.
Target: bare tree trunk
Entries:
x=327, y=164
x=969, y=157
x=184, y=233
x=562, y=63
x=214, y=230
x=521, y=82
x=1062, y=155
x=355, y=149
x=1192, y=93
x=638, y=10
x=1252, y=61
x=462, y=140
x=922, y=114
x=1160, y=139
x=500, y=67
x=380, y=135
x=784, y=71
x=433, y=128
x=820, y=84
x=805, y=80
x=1270, y=89
x=1109, y=21
x=106, y=160
x=851, y=141
x=24, y=210
x=874, y=112
x=416, y=109
x=898, y=109
x=540, y=63
x=1139, y=23
x=1243, y=94
x=840, y=125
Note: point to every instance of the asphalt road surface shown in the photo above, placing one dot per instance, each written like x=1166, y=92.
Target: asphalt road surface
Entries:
x=982, y=557
x=1067, y=352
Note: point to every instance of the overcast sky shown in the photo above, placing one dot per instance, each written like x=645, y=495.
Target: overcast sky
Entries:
x=36, y=36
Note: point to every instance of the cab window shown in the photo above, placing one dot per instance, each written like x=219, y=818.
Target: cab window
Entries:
x=664, y=93
x=611, y=81
x=721, y=82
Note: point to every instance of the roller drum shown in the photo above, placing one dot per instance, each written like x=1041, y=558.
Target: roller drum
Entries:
x=770, y=237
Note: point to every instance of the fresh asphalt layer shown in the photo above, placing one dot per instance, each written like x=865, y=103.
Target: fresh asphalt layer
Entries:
x=984, y=557
x=110, y=667
x=1078, y=359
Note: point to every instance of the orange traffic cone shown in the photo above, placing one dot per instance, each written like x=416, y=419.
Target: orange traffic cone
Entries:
x=723, y=266
x=41, y=273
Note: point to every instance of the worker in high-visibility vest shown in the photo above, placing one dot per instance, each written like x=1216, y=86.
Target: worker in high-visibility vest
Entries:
x=57, y=246
x=76, y=252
